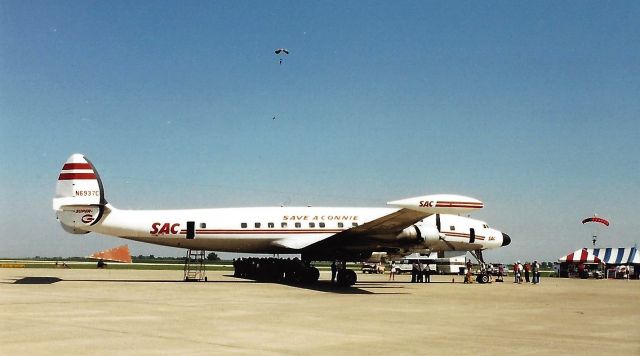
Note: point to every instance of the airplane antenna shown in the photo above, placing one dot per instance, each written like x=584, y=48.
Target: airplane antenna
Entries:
x=286, y=202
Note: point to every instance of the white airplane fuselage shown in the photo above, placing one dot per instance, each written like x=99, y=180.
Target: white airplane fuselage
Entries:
x=257, y=230
x=419, y=224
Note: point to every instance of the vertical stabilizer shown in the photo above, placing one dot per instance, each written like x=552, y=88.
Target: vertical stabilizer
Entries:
x=79, y=200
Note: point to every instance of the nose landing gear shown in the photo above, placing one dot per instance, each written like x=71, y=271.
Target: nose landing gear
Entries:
x=484, y=276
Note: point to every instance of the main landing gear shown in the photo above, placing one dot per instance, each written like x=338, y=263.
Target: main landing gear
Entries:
x=276, y=270
x=293, y=271
x=483, y=277
x=346, y=277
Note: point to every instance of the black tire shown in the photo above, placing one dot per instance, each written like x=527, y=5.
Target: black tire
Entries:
x=313, y=274
x=346, y=278
x=352, y=278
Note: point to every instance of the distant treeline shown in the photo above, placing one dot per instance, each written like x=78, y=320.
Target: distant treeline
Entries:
x=211, y=257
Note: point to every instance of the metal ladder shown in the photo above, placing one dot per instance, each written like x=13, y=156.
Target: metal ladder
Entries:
x=194, y=268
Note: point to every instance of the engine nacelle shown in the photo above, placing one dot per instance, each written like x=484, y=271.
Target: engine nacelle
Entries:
x=425, y=235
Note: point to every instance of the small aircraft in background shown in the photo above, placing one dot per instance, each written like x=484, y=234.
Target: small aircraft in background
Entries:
x=420, y=224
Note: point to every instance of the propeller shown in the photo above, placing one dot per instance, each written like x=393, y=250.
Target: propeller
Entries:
x=441, y=236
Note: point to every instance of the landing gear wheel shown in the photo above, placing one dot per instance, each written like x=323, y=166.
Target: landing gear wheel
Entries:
x=483, y=278
x=346, y=278
x=311, y=275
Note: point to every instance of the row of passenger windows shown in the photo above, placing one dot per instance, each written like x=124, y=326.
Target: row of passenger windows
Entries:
x=311, y=224
x=284, y=225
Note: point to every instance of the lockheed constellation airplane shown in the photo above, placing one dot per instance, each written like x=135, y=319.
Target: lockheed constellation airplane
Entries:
x=422, y=224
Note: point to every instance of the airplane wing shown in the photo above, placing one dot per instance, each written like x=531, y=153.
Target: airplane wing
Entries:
x=297, y=242
x=411, y=211
x=388, y=224
x=394, y=222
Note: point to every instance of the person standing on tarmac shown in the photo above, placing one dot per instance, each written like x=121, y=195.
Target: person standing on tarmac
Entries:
x=527, y=269
x=392, y=273
x=334, y=270
x=427, y=273
x=536, y=272
x=414, y=272
x=500, y=273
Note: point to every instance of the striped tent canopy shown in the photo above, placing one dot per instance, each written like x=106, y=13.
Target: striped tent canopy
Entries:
x=580, y=256
x=609, y=255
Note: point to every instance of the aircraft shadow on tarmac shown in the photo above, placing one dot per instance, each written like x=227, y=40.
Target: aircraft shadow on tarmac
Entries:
x=37, y=280
x=328, y=287
x=320, y=286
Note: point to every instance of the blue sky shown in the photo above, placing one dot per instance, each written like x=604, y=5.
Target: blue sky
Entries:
x=532, y=108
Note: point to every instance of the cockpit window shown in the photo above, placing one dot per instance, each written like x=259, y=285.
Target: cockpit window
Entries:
x=485, y=226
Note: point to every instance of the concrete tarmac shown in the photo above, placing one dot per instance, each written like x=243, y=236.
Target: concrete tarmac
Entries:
x=106, y=312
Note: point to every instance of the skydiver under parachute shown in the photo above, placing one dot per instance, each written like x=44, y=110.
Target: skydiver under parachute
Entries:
x=595, y=219
x=282, y=52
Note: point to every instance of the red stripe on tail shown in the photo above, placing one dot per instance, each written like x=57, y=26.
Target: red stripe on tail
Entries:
x=70, y=176
x=68, y=166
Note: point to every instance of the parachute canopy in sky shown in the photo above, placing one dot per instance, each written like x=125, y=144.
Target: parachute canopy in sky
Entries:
x=595, y=219
x=282, y=52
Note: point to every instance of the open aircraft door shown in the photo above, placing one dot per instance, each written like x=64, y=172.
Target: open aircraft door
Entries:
x=191, y=229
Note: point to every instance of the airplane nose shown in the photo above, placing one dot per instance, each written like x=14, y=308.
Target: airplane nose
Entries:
x=505, y=239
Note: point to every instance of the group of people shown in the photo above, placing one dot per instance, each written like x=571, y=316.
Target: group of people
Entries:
x=270, y=269
x=530, y=272
x=420, y=272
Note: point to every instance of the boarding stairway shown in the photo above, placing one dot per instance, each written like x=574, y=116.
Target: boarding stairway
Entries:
x=194, y=267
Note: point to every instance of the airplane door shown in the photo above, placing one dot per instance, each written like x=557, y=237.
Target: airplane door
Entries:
x=191, y=229
x=472, y=235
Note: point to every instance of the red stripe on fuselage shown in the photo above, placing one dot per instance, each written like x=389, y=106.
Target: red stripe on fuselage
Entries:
x=463, y=235
x=253, y=232
x=70, y=176
x=448, y=204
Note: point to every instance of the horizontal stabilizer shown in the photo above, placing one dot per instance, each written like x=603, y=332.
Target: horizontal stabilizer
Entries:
x=439, y=204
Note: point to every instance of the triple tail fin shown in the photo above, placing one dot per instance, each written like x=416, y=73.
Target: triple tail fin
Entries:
x=79, y=200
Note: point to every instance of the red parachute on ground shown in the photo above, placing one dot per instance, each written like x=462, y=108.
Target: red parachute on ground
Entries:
x=596, y=219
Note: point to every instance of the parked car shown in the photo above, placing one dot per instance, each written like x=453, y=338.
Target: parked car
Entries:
x=372, y=268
